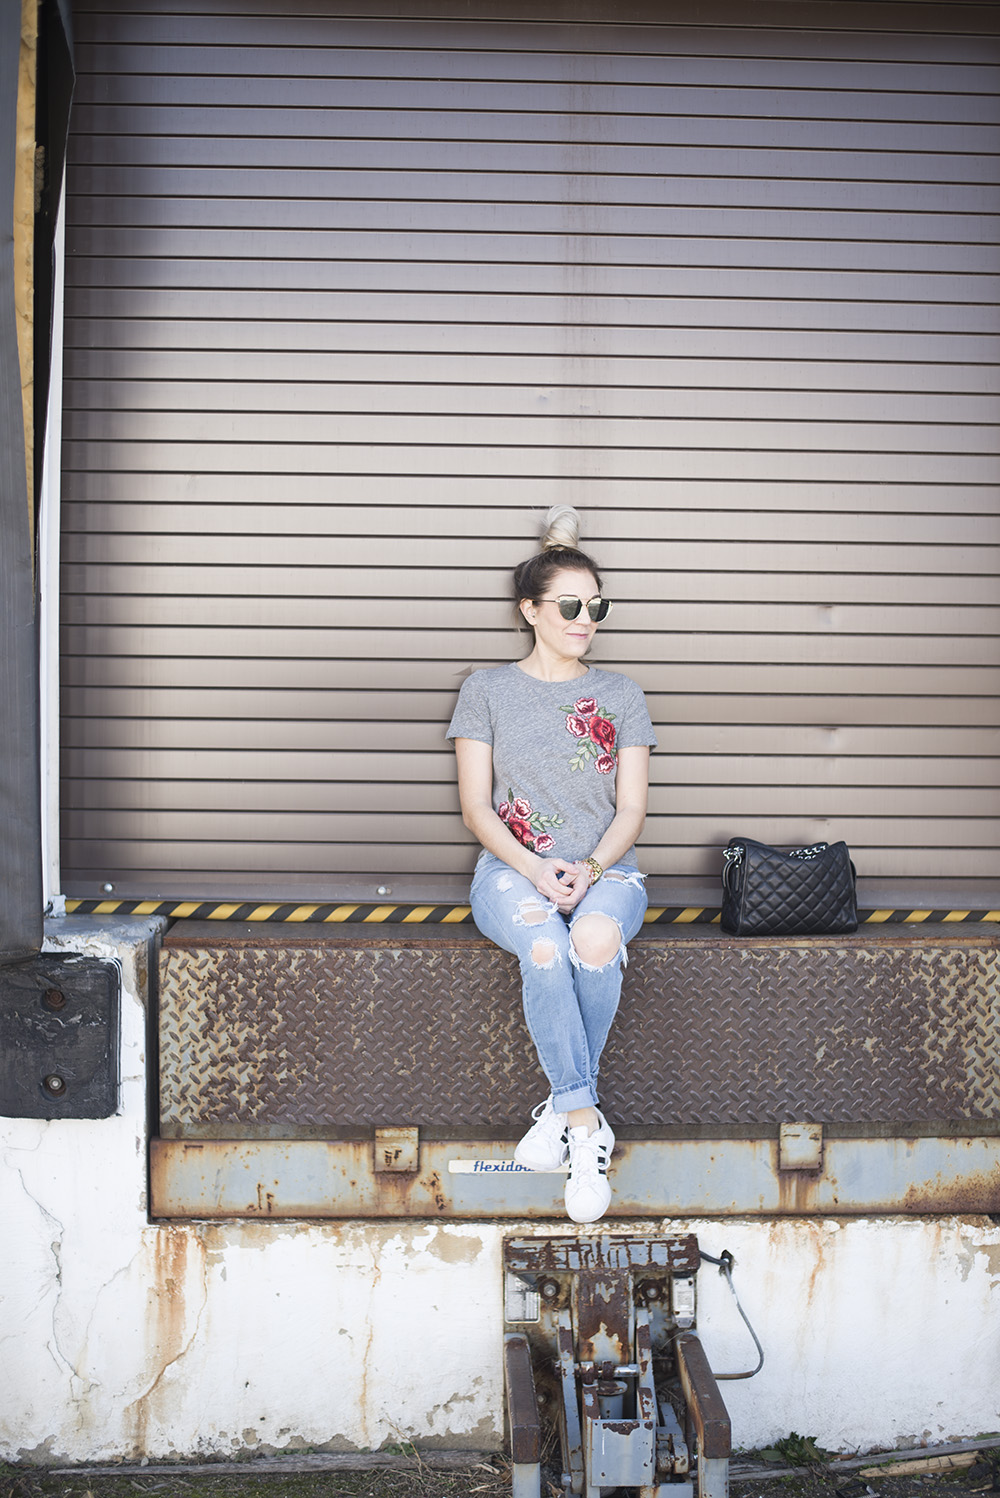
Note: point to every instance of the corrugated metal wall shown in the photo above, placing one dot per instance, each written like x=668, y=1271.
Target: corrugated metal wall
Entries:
x=352, y=300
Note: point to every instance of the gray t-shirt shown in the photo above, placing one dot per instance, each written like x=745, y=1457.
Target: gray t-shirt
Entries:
x=555, y=747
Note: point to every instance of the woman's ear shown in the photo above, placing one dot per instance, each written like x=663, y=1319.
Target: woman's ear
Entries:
x=527, y=608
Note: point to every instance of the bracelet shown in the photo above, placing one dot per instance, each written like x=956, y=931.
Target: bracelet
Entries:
x=596, y=871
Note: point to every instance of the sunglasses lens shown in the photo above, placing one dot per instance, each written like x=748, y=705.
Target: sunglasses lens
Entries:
x=570, y=608
x=599, y=609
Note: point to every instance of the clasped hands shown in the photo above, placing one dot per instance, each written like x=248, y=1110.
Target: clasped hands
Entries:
x=565, y=884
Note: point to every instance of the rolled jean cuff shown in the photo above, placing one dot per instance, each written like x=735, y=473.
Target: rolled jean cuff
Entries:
x=577, y=1097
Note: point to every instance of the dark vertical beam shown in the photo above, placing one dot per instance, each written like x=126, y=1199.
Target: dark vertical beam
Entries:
x=20, y=799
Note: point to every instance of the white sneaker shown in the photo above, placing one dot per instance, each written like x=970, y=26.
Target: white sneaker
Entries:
x=544, y=1147
x=588, y=1194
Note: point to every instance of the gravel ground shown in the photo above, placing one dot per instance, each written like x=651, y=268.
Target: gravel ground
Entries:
x=488, y=1477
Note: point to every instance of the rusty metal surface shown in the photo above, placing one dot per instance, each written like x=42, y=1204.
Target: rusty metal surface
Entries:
x=524, y=1427
x=281, y=1035
x=701, y=1393
x=312, y=1178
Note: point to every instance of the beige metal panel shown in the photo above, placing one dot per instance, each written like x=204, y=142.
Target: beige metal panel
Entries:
x=590, y=460
x=849, y=751
x=940, y=152
x=621, y=169
x=383, y=789
x=129, y=378
x=794, y=632
x=557, y=90
x=592, y=340
x=903, y=757
x=222, y=400
x=431, y=47
x=414, y=492
x=289, y=766
x=686, y=17
x=540, y=428
x=373, y=819
x=737, y=707
x=634, y=609
x=437, y=535
x=694, y=850
x=313, y=226
x=640, y=649
x=656, y=521
x=658, y=309
x=709, y=651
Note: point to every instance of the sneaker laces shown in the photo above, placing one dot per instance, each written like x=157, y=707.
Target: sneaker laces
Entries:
x=588, y=1158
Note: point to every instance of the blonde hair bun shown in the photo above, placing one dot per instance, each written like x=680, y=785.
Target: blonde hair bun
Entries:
x=562, y=528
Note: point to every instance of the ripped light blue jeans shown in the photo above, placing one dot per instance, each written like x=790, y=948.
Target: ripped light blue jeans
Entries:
x=568, y=1004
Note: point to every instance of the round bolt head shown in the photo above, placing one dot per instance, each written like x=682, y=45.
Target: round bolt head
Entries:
x=54, y=1085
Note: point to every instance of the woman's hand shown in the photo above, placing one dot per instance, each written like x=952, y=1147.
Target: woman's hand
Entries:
x=565, y=884
x=555, y=879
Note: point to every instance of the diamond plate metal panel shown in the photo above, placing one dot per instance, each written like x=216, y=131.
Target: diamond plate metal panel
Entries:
x=297, y=1035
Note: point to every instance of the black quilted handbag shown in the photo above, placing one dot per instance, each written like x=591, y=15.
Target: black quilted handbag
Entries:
x=805, y=892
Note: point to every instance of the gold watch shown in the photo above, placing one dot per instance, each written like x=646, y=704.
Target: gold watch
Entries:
x=595, y=869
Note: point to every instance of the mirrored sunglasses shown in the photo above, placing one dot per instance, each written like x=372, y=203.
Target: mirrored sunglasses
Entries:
x=571, y=608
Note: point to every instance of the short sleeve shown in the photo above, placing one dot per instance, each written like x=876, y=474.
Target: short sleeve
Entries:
x=471, y=718
x=636, y=727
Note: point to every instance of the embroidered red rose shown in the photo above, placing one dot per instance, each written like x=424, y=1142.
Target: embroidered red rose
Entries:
x=521, y=808
x=543, y=842
x=586, y=705
x=577, y=726
x=604, y=764
x=602, y=732
x=503, y=810
x=522, y=831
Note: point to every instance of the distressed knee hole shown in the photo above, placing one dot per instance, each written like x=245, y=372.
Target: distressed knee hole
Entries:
x=595, y=940
x=543, y=953
x=532, y=913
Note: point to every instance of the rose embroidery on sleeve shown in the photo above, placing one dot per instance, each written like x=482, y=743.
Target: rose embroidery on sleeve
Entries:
x=529, y=827
x=595, y=730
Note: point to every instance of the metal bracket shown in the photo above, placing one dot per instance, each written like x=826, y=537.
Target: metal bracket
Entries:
x=59, y=1023
x=397, y=1149
x=800, y=1146
x=601, y=1345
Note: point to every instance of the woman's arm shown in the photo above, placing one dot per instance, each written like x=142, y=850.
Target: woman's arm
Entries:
x=631, y=796
x=475, y=792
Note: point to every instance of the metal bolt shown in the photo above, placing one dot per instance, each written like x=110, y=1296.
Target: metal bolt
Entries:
x=54, y=1085
x=549, y=1289
x=108, y=889
x=53, y=999
x=384, y=889
x=653, y=1291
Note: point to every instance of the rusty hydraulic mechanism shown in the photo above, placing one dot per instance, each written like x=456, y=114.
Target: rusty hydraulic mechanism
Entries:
x=600, y=1343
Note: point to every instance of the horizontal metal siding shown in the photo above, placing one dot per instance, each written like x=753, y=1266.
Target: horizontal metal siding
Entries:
x=351, y=299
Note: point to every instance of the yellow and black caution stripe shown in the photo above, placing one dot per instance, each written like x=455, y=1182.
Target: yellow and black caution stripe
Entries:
x=709, y=915
x=291, y=913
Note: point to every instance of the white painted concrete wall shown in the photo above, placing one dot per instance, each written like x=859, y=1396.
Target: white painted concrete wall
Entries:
x=121, y=1338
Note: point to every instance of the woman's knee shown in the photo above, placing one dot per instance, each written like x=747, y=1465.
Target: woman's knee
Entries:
x=596, y=939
